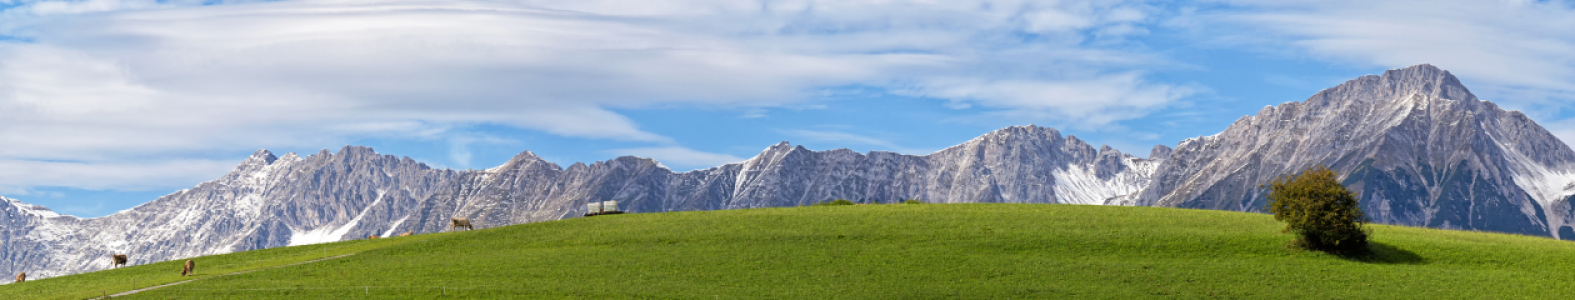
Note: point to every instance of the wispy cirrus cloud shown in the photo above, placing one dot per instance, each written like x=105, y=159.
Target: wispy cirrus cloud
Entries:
x=679, y=155
x=843, y=137
x=1078, y=103
x=100, y=81
x=1517, y=53
x=22, y=176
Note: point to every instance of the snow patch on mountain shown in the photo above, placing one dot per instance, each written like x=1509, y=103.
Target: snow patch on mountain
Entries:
x=334, y=234
x=32, y=209
x=316, y=236
x=49, y=233
x=1546, y=185
x=1079, y=184
x=392, y=228
x=327, y=234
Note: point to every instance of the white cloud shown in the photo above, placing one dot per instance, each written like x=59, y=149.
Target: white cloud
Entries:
x=1518, y=53
x=18, y=176
x=844, y=137
x=102, y=81
x=685, y=158
x=1084, y=103
x=459, y=147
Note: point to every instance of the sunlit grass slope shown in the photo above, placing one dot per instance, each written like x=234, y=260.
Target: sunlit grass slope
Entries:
x=94, y=284
x=985, y=251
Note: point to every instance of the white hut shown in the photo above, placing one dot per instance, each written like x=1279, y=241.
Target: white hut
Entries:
x=601, y=207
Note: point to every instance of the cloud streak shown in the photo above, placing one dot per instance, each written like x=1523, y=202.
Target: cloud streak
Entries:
x=21, y=175
x=680, y=156
x=101, y=81
x=844, y=137
x=1518, y=53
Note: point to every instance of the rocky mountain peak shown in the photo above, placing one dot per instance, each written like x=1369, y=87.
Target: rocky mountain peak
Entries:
x=19, y=205
x=1109, y=163
x=775, y=150
x=352, y=152
x=773, y=153
x=1420, y=71
x=526, y=156
x=1415, y=144
x=260, y=157
x=257, y=161
x=1022, y=132
x=527, y=160
x=1428, y=80
x=1159, y=152
x=14, y=212
x=1422, y=82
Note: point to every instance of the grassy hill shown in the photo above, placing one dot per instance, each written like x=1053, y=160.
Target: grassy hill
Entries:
x=877, y=251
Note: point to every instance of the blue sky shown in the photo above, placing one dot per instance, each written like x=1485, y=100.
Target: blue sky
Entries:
x=106, y=104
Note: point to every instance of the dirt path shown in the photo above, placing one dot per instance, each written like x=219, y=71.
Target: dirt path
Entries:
x=221, y=275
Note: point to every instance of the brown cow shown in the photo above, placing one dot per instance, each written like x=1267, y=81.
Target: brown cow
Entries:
x=20, y=277
x=407, y=233
x=189, y=269
x=372, y=236
x=120, y=260
x=456, y=223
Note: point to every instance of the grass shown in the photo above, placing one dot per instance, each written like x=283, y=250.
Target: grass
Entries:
x=94, y=284
x=969, y=251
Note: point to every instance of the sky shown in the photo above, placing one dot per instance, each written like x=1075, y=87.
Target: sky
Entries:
x=107, y=104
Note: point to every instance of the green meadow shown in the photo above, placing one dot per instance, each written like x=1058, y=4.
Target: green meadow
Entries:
x=928, y=251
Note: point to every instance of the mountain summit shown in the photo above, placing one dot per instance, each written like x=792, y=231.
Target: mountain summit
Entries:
x=1416, y=144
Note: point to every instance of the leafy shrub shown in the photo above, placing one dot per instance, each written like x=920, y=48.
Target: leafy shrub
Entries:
x=913, y=201
x=836, y=202
x=1322, y=213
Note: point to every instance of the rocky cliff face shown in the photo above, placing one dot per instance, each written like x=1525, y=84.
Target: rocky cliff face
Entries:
x=1419, y=148
x=32, y=235
x=1024, y=164
x=266, y=201
x=271, y=201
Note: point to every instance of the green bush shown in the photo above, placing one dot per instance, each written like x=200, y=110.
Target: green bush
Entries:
x=836, y=202
x=1322, y=213
x=913, y=201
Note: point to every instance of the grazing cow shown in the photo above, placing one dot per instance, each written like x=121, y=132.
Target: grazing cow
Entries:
x=120, y=260
x=407, y=233
x=190, y=268
x=456, y=223
x=20, y=277
x=372, y=236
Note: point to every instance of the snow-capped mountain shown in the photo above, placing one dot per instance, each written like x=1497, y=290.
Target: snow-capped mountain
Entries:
x=1419, y=148
x=266, y=201
x=270, y=201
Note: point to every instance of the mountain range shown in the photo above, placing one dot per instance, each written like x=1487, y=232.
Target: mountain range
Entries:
x=1420, y=149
